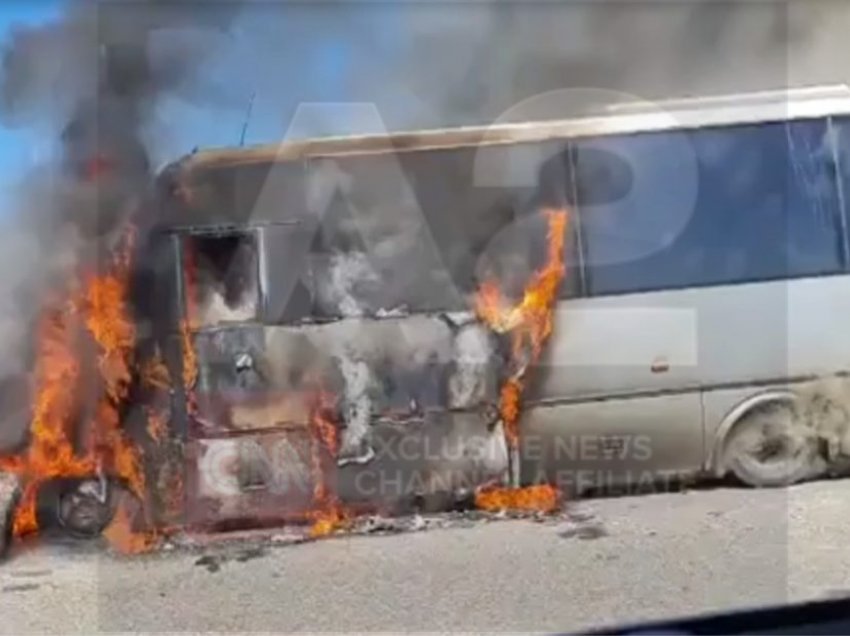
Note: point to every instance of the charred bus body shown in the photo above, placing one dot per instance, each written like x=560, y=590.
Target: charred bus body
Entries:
x=341, y=272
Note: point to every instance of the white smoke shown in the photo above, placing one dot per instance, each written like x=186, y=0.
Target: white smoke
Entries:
x=473, y=356
x=88, y=80
x=346, y=273
x=358, y=408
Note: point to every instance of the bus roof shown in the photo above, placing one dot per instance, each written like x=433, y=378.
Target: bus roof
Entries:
x=623, y=118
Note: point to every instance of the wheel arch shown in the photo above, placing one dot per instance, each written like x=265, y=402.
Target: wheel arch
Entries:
x=734, y=416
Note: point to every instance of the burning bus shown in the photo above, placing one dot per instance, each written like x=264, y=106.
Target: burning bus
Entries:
x=297, y=333
x=340, y=319
x=302, y=332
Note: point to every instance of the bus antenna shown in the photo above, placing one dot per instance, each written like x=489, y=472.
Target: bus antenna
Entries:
x=247, y=118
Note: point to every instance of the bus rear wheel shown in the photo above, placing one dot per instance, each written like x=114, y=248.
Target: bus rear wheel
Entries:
x=771, y=447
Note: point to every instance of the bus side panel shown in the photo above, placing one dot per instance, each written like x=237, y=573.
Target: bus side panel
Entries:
x=732, y=342
x=636, y=363
x=748, y=333
x=807, y=321
x=605, y=445
x=759, y=333
x=627, y=344
x=616, y=396
x=818, y=330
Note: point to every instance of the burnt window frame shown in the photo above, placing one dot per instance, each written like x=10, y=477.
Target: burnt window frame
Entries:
x=179, y=236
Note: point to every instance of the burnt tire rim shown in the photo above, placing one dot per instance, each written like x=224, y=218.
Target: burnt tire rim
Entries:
x=772, y=447
x=85, y=511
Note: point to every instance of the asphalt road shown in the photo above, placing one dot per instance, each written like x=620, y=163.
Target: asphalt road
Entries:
x=617, y=560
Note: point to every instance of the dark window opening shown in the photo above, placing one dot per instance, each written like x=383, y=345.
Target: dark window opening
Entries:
x=222, y=278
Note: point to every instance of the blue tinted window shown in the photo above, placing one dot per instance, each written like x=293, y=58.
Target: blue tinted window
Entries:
x=712, y=206
x=840, y=128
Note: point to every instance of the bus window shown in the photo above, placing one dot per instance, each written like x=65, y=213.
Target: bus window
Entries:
x=408, y=230
x=764, y=205
x=289, y=292
x=222, y=277
x=840, y=135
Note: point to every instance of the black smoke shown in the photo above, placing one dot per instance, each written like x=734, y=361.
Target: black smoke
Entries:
x=90, y=81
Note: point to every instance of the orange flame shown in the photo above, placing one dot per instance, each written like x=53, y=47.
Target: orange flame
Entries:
x=328, y=515
x=50, y=453
x=539, y=498
x=167, y=486
x=155, y=374
x=157, y=426
x=327, y=521
x=190, y=359
x=109, y=322
x=190, y=285
x=509, y=397
x=99, y=308
x=124, y=538
x=529, y=322
x=323, y=426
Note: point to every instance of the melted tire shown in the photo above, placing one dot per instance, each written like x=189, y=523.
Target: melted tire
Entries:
x=85, y=509
x=770, y=448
